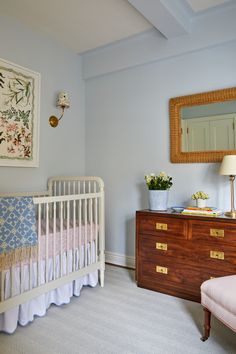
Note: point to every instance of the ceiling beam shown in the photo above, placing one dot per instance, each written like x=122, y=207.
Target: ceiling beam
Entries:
x=168, y=17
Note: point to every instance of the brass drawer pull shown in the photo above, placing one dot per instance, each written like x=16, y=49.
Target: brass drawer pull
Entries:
x=217, y=255
x=162, y=270
x=161, y=246
x=160, y=226
x=217, y=232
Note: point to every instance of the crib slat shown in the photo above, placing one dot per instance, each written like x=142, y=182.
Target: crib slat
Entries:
x=30, y=273
x=46, y=241
x=12, y=281
x=91, y=228
x=22, y=278
x=3, y=273
x=74, y=230
x=85, y=232
x=64, y=193
x=95, y=222
x=68, y=237
x=39, y=244
x=54, y=240
x=61, y=236
x=80, y=235
x=55, y=188
x=96, y=229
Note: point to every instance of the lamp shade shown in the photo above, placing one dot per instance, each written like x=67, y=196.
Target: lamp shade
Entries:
x=228, y=165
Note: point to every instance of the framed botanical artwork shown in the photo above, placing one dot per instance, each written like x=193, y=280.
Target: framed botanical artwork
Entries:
x=19, y=115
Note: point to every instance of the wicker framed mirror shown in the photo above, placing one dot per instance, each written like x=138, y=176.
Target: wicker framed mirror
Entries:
x=203, y=126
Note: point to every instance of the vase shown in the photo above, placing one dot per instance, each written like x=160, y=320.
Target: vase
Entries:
x=201, y=203
x=158, y=199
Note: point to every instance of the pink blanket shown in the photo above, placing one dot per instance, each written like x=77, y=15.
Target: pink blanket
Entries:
x=64, y=238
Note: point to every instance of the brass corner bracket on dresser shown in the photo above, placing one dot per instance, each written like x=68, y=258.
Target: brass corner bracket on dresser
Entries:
x=175, y=253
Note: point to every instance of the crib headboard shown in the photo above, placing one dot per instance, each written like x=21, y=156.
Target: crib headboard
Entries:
x=71, y=185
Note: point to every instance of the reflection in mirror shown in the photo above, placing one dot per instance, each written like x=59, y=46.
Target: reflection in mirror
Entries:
x=202, y=126
x=208, y=127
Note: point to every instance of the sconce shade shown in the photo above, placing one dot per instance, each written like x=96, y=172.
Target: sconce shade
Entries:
x=63, y=100
x=228, y=165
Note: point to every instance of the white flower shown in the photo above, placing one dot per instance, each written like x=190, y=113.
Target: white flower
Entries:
x=158, y=182
x=163, y=175
x=200, y=195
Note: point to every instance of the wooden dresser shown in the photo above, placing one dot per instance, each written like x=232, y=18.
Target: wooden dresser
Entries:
x=175, y=253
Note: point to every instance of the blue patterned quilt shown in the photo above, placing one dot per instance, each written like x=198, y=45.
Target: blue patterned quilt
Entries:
x=17, y=223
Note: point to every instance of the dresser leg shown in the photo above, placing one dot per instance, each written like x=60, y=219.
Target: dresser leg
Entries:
x=207, y=324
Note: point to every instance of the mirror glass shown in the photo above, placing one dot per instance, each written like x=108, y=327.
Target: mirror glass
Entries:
x=202, y=126
x=208, y=127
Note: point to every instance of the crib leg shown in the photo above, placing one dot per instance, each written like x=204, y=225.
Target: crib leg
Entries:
x=102, y=271
x=207, y=324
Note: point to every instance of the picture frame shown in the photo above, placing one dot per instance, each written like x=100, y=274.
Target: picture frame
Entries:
x=19, y=115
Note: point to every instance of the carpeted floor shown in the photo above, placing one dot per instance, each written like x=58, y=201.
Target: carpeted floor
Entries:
x=120, y=318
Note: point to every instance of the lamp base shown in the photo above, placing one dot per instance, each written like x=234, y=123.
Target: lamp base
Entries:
x=231, y=214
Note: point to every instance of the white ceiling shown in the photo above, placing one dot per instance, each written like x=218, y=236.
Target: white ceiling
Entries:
x=83, y=25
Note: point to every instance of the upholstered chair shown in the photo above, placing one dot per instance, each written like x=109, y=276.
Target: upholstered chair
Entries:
x=218, y=297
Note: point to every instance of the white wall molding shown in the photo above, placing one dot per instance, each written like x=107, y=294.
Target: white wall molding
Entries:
x=120, y=259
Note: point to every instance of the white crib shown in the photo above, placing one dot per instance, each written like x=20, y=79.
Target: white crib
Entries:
x=70, y=251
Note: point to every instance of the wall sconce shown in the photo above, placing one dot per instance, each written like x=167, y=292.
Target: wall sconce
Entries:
x=62, y=102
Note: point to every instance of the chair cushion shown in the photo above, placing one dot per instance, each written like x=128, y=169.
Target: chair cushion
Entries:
x=218, y=295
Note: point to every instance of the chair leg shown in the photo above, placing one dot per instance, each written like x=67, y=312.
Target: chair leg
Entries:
x=207, y=324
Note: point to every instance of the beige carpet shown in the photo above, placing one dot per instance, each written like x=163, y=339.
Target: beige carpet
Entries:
x=120, y=318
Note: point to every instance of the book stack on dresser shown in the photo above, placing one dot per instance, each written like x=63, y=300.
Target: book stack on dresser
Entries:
x=175, y=253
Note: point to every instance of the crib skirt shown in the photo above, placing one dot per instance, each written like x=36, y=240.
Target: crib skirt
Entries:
x=24, y=313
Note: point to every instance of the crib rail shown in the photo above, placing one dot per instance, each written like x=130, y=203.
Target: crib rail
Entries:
x=70, y=229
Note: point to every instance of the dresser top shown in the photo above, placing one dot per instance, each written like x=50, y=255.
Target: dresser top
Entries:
x=172, y=214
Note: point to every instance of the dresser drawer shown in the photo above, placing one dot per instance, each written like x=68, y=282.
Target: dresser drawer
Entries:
x=154, y=247
x=213, y=231
x=156, y=225
x=179, y=280
x=214, y=256
x=165, y=277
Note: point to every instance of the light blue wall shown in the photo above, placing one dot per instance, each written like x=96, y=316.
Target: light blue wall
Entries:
x=127, y=133
x=62, y=149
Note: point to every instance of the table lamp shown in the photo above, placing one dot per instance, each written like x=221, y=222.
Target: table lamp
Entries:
x=228, y=168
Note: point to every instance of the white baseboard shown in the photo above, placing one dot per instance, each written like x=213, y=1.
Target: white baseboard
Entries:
x=120, y=259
